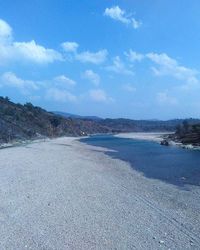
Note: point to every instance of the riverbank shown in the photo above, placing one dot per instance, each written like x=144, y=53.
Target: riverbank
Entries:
x=149, y=136
x=64, y=194
x=157, y=137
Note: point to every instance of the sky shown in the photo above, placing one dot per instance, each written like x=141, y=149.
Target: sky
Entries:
x=136, y=59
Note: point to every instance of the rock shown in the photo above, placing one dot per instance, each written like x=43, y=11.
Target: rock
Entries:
x=191, y=243
x=164, y=143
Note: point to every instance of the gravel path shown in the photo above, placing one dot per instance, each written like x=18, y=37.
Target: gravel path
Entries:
x=62, y=194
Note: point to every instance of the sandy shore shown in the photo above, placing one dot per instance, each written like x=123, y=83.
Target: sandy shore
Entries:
x=63, y=194
x=152, y=136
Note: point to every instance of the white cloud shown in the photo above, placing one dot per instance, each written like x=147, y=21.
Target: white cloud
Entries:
x=6, y=54
x=135, y=23
x=134, y=56
x=35, y=53
x=70, y=46
x=5, y=42
x=92, y=76
x=92, y=57
x=60, y=95
x=23, y=51
x=119, y=67
x=11, y=80
x=27, y=87
x=99, y=95
x=116, y=13
x=55, y=88
x=84, y=56
x=120, y=15
x=168, y=66
x=129, y=87
x=64, y=81
x=5, y=31
x=164, y=98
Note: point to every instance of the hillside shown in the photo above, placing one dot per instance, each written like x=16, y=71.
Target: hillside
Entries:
x=19, y=122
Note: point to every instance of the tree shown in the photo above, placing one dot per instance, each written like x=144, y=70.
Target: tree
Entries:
x=29, y=105
x=7, y=99
x=179, y=129
x=185, y=125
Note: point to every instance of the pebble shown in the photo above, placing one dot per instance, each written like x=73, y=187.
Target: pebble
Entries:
x=191, y=243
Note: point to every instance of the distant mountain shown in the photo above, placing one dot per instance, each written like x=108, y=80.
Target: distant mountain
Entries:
x=68, y=115
x=128, y=125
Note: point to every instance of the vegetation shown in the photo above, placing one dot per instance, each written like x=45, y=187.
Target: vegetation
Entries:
x=19, y=122
x=128, y=125
x=187, y=133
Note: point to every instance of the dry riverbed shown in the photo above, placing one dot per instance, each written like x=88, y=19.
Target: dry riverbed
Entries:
x=153, y=136
x=63, y=194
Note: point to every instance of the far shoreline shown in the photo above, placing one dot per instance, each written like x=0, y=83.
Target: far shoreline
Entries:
x=156, y=137
x=147, y=136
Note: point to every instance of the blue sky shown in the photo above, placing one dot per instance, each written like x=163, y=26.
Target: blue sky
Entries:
x=134, y=59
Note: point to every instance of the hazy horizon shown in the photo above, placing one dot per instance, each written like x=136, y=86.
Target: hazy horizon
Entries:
x=123, y=117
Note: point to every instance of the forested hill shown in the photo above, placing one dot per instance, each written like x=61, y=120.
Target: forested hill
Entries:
x=187, y=134
x=20, y=122
x=128, y=125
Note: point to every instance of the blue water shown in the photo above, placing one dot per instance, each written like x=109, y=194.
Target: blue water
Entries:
x=170, y=164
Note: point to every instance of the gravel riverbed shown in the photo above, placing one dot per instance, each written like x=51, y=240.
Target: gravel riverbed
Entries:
x=64, y=194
